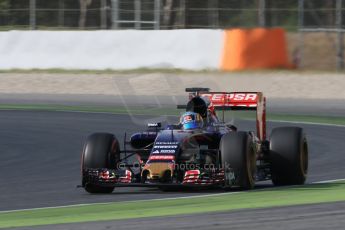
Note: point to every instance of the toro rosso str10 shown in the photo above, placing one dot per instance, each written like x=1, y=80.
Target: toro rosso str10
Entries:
x=200, y=150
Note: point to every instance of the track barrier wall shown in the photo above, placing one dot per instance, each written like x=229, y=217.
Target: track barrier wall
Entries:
x=132, y=49
x=254, y=49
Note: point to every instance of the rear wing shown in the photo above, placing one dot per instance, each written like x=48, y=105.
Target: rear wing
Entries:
x=236, y=101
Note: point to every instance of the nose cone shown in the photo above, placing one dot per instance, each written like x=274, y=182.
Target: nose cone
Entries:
x=161, y=171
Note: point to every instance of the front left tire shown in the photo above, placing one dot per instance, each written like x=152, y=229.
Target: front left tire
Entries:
x=101, y=150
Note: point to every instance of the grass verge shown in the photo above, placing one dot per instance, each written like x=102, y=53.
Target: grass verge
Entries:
x=154, y=111
x=284, y=196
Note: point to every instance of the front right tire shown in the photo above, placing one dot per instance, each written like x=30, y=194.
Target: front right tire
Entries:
x=237, y=153
x=288, y=156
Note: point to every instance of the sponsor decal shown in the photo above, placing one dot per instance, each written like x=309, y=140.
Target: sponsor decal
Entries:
x=163, y=151
x=249, y=97
x=167, y=151
x=150, y=133
x=229, y=177
x=162, y=157
x=106, y=175
x=165, y=146
x=233, y=99
x=154, y=124
x=192, y=172
x=167, y=143
x=126, y=178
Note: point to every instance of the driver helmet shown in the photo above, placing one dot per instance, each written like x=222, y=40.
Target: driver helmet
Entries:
x=191, y=120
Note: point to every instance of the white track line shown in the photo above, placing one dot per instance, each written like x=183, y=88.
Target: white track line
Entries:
x=327, y=181
x=307, y=123
x=160, y=199
x=167, y=115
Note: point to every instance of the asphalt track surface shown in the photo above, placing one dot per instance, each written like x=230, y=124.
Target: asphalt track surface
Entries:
x=321, y=107
x=40, y=156
x=40, y=159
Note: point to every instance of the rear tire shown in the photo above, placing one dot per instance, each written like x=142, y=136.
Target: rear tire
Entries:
x=289, y=156
x=237, y=152
x=101, y=150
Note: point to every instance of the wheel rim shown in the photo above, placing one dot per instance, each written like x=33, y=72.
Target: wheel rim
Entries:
x=251, y=162
x=304, y=158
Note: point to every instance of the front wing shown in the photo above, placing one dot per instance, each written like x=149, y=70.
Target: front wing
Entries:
x=125, y=178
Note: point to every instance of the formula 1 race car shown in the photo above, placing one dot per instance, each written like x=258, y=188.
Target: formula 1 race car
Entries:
x=200, y=150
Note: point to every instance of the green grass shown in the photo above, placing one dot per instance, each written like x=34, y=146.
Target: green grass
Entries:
x=274, y=197
x=335, y=120
x=94, y=109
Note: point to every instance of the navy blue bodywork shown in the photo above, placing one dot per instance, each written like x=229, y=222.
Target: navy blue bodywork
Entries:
x=178, y=139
